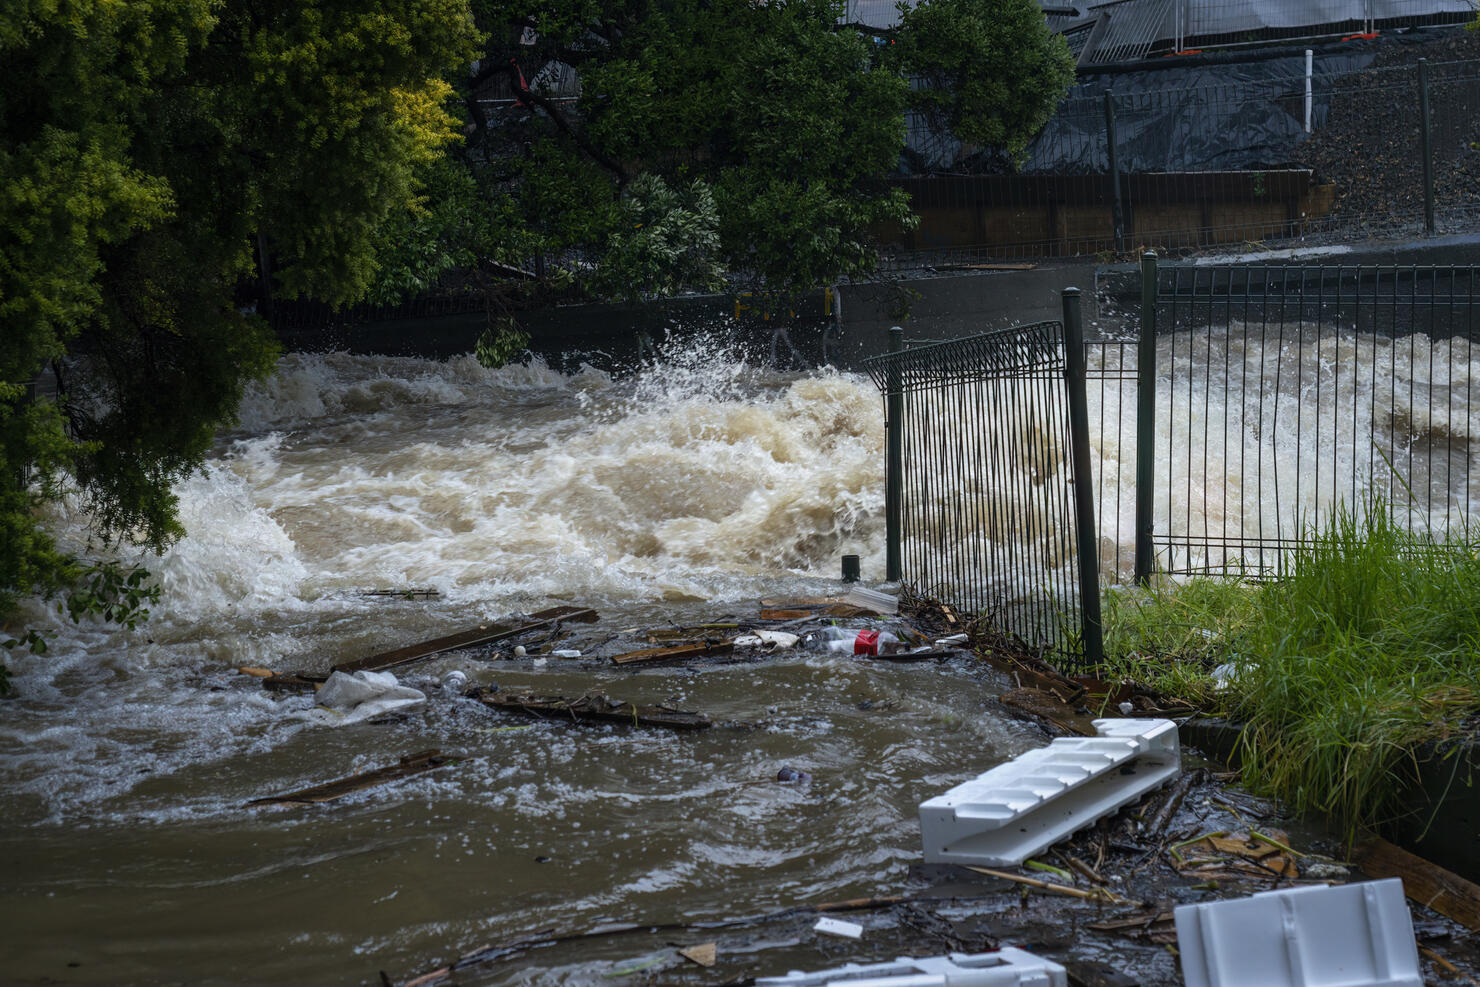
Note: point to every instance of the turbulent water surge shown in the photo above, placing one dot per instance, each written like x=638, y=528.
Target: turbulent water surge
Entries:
x=684, y=492
x=681, y=493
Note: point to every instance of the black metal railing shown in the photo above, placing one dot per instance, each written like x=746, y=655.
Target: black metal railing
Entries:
x=1256, y=401
x=989, y=501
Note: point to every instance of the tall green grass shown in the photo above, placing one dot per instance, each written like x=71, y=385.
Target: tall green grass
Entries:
x=1367, y=646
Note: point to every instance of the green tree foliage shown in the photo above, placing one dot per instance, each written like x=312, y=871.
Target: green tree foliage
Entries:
x=148, y=151
x=644, y=145
x=987, y=71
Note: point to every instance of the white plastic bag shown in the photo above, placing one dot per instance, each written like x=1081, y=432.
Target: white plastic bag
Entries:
x=352, y=698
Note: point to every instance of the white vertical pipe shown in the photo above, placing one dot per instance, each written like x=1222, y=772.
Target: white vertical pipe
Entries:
x=1309, y=63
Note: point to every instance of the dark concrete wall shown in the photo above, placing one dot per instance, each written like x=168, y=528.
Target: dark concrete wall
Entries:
x=847, y=324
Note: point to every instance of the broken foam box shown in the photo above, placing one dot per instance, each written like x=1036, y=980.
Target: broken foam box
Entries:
x=1016, y=809
x=1007, y=967
x=1350, y=935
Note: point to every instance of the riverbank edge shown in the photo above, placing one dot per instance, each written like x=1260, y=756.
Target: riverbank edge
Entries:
x=1444, y=827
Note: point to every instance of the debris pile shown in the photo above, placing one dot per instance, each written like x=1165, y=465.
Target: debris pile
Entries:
x=1074, y=862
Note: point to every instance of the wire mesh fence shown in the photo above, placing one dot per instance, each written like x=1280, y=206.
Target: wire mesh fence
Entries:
x=1282, y=395
x=1384, y=150
x=987, y=516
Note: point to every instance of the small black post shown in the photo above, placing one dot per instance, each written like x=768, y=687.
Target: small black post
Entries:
x=894, y=463
x=1145, y=417
x=851, y=569
x=1424, y=149
x=1087, y=534
x=1117, y=216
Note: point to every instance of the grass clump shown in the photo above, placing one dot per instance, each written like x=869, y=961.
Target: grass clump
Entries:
x=1170, y=638
x=1365, y=648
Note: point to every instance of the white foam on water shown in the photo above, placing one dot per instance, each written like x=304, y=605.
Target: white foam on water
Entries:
x=701, y=478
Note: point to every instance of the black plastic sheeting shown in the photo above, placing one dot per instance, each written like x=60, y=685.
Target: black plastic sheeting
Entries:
x=1224, y=116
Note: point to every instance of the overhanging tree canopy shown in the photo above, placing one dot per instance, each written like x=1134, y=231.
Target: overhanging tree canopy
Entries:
x=146, y=149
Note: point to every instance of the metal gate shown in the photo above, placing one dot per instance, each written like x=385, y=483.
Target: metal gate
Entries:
x=988, y=490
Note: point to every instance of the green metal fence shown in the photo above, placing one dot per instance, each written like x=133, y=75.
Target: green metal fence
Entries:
x=1256, y=401
x=989, y=501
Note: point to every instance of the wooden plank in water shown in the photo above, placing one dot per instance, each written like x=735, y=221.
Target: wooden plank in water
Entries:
x=594, y=709
x=283, y=682
x=482, y=634
x=1426, y=883
x=647, y=656
x=411, y=764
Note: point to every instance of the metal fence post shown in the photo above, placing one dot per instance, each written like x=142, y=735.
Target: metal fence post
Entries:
x=1116, y=214
x=1428, y=156
x=894, y=463
x=1145, y=417
x=1087, y=534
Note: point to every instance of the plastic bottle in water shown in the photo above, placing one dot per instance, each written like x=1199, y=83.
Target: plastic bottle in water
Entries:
x=834, y=639
x=877, y=643
x=853, y=641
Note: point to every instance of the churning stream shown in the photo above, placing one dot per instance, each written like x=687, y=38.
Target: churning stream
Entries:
x=680, y=494
x=686, y=492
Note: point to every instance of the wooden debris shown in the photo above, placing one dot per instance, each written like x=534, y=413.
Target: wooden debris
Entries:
x=688, y=635
x=1447, y=966
x=412, y=764
x=482, y=634
x=594, y=708
x=1237, y=856
x=1151, y=924
x=931, y=655
x=259, y=673
x=1428, y=884
x=1047, y=706
x=292, y=683
x=403, y=594
x=1066, y=690
x=785, y=614
x=848, y=611
x=704, y=955
x=1094, y=894
x=649, y=656
x=1172, y=802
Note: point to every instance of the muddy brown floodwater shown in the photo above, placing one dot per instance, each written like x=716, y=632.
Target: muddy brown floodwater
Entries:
x=684, y=494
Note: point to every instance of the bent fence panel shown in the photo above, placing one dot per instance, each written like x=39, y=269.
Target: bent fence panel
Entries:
x=987, y=510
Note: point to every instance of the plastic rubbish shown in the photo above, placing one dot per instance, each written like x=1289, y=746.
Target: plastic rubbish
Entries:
x=853, y=641
x=455, y=682
x=770, y=640
x=871, y=599
x=565, y=653
x=1007, y=967
x=1017, y=809
x=877, y=643
x=837, y=927
x=520, y=651
x=951, y=641
x=1351, y=935
x=351, y=698
x=829, y=638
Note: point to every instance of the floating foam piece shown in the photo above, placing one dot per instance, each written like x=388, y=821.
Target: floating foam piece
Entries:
x=837, y=927
x=1350, y=935
x=1016, y=809
x=1007, y=967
